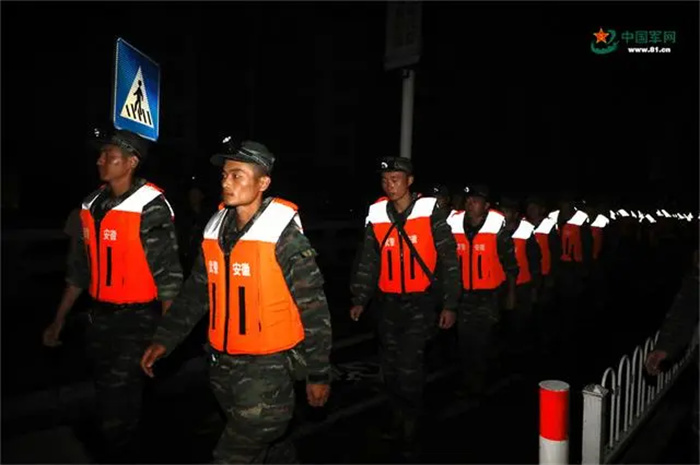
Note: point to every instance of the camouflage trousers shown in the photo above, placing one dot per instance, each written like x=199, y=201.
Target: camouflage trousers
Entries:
x=116, y=341
x=256, y=394
x=478, y=325
x=519, y=322
x=403, y=332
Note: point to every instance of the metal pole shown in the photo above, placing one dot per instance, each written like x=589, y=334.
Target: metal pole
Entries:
x=409, y=76
x=554, y=422
x=594, y=416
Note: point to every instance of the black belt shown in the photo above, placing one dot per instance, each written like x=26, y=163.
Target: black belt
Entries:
x=109, y=306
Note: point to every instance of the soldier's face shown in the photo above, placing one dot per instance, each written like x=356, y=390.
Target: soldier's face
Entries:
x=511, y=215
x=395, y=184
x=239, y=184
x=476, y=206
x=534, y=211
x=113, y=164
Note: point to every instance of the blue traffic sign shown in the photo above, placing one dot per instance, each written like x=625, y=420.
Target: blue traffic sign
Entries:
x=136, y=97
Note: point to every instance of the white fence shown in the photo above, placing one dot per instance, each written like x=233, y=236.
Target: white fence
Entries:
x=614, y=409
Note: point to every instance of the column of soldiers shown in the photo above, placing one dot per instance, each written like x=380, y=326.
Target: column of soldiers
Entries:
x=425, y=264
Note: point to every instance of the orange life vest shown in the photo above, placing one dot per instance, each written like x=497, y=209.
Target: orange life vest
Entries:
x=520, y=238
x=119, y=271
x=399, y=270
x=542, y=237
x=597, y=226
x=571, y=245
x=251, y=310
x=478, y=260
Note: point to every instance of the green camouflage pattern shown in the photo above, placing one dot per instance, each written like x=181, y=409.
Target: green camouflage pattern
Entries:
x=304, y=279
x=256, y=394
x=365, y=276
x=158, y=238
x=116, y=341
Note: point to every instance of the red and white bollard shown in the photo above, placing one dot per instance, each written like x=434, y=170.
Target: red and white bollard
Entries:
x=554, y=422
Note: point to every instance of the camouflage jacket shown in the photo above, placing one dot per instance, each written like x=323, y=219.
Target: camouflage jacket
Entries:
x=157, y=236
x=296, y=257
x=365, y=275
x=682, y=318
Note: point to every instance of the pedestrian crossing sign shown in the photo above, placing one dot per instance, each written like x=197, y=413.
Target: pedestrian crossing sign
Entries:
x=136, y=96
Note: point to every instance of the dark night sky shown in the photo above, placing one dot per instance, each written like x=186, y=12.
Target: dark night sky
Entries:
x=508, y=94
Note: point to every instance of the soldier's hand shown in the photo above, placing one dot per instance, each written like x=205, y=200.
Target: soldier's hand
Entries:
x=52, y=333
x=152, y=354
x=317, y=394
x=510, y=301
x=356, y=311
x=447, y=319
x=653, y=362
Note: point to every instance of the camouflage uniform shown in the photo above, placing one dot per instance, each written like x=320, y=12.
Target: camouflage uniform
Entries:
x=520, y=322
x=480, y=315
x=405, y=320
x=573, y=278
x=118, y=334
x=256, y=391
x=545, y=312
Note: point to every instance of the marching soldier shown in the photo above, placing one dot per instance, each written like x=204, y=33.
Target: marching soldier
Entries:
x=528, y=256
x=127, y=258
x=257, y=278
x=487, y=260
x=406, y=239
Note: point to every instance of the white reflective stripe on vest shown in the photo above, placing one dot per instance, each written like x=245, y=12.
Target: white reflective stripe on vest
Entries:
x=268, y=227
x=578, y=219
x=456, y=222
x=135, y=202
x=493, y=224
x=524, y=231
x=211, y=231
x=423, y=207
x=545, y=226
x=600, y=222
x=139, y=199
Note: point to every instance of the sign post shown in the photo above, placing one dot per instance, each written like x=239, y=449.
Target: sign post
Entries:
x=136, y=93
x=403, y=47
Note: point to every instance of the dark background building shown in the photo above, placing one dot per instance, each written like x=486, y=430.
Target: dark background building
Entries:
x=508, y=94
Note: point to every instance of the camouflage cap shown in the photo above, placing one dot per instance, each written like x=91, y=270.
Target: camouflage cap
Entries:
x=477, y=190
x=388, y=164
x=125, y=140
x=439, y=189
x=509, y=202
x=247, y=152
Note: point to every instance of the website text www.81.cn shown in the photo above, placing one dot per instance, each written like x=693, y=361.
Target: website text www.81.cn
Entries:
x=649, y=49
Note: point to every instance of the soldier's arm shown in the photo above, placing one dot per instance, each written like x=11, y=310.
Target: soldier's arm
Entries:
x=506, y=255
x=297, y=260
x=587, y=243
x=446, y=247
x=534, y=259
x=77, y=266
x=681, y=320
x=554, y=251
x=365, y=273
x=159, y=240
x=186, y=310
